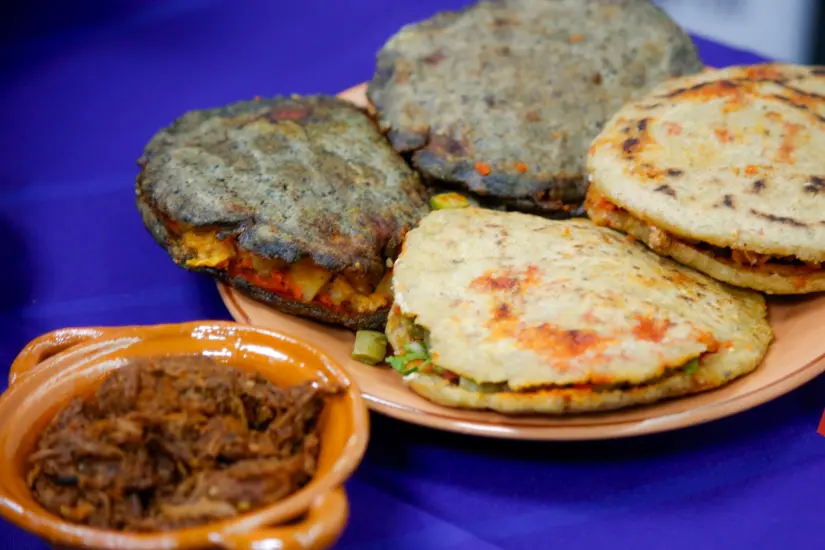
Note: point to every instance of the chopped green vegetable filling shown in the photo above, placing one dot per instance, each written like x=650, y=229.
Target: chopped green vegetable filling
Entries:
x=414, y=352
x=692, y=366
x=370, y=347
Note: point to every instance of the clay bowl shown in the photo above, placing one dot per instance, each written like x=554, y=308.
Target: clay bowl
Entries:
x=60, y=365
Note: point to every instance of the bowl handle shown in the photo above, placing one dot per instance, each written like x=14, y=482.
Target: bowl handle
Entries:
x=49, y=345
x=318, y=529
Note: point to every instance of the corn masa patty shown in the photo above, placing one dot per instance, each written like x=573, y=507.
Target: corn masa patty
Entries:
x=724, y=172
x=503, y=98
x=299, y=202
x=581, y=320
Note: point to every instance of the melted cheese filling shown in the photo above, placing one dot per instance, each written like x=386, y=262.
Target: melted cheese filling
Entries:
x=303, y=281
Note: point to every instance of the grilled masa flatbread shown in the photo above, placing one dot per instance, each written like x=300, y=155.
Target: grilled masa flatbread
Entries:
x=518, y=313
x=504, y=97
x=723, y=171
x=299, y=202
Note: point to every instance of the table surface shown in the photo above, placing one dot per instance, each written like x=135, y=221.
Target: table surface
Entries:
x=84, y=84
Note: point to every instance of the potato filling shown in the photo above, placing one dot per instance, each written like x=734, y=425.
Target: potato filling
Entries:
x=602, y=211
x=303, y=281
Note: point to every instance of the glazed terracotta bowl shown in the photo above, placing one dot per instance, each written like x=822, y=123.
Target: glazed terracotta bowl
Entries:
x=60, y=365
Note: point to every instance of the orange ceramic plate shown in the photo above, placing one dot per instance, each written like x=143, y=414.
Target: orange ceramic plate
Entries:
x=797, y=356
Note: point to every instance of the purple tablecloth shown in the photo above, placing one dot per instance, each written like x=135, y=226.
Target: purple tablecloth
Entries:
x=83, y=85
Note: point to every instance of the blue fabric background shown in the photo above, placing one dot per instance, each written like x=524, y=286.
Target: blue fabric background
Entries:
x=84, y=84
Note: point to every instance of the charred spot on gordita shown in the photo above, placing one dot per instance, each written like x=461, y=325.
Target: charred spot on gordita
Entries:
x=785, y=220
x=815, y=185
x=758, y=186
x=630, y=146
x=667, y=190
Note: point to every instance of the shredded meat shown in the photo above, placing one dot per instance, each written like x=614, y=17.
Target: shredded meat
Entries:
x=173, y=442
x=743, y=257
x=660, y=240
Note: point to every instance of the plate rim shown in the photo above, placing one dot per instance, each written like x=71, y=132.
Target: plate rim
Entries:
x=616, y=429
